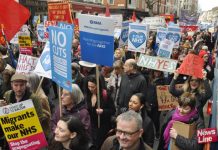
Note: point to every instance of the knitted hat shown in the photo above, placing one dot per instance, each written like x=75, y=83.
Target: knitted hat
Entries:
x=202, y=53
x=205, y=47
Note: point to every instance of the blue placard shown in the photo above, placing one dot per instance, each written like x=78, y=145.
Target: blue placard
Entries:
x=60, y=54
x=97, y=39
x=65, y=25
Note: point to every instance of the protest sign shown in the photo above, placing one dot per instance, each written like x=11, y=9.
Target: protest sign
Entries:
x=157, y=63
x=36, y=20
x=25, y=44
x=174, y=34
x=43, y=66
x=46, y=25
x=97, y=39
x=124, y=34
x=21, y=126
x=41, y=33
x=137, y=37
x=192, y=65
x=166, y=101
x=12, y=16
x=161, y=34
x=165, y=48
x=26, y=64
x=154, y=22
x=207, y=135
x=76, y=24
x=65, y=25
x=60, y=56
x=59, y=12
x=24, y=31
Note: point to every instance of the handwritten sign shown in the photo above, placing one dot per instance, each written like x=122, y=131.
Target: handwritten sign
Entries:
x=192, y=65
x=166, y=101
x=21, y=126
x=26, y=63
x=154, y=22
x=207, y=135
x=157, y=63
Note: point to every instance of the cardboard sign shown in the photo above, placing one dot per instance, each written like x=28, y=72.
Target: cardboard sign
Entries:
x=183, y=129
x=154, y=22
x=161, y=34
x=60, y=56
x=207, y=135
x=25, y=44
x=21, y=126
x=97, y=39
x=192, y=65
x=59, y=12
x=165, y=49
x=174, y=34
x=166, y=101
x=137, y=37
x=124, y=34
x=43, y=67
x=26, y=64
x=157, y=63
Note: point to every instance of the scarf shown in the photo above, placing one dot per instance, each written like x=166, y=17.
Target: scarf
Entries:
x=176, y=117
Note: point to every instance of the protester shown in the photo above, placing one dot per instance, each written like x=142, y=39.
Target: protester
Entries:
x=70, y=134
x=129, y=131
x=105, y=111
x=77, y=76
x=73, y=104
x=187, y=113
x=200, y=87
x=132, y=82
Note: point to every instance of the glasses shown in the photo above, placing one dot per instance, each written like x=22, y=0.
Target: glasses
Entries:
x=194, y=80
x=125, y=133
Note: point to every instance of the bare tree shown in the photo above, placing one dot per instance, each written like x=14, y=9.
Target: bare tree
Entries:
x=150, y=5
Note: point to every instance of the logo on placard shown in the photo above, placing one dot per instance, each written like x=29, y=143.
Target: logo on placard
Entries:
x=6, y=110
x=124, y=35
x=41, y=33
x=45, y=61
x=173, y=37
x=161, y=36
x=137, y=39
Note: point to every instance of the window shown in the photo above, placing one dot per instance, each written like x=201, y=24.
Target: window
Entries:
x=130, y=1
x=111, y=2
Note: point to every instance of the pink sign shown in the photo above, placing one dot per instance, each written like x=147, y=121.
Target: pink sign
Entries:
x=207, y=135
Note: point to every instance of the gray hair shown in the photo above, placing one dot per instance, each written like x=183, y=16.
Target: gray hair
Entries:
x=131, y=116
x=77, y=94
x=33, y=81
x=132, y=63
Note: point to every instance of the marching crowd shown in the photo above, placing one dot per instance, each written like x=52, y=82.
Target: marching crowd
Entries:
x=128, y=117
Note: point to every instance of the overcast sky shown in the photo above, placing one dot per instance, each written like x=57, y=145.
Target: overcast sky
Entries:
x=207, y=4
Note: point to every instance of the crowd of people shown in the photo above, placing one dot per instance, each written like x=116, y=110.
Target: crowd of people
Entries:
x=128, y=117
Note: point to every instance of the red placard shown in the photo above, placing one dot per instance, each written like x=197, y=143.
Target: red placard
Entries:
x=12, y=17
x=207, y=135
x=192, y=65
x=76, y=24
x=59, y=12
x=189, y=28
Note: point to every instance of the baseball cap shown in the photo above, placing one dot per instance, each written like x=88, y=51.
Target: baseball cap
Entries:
x=18, y=76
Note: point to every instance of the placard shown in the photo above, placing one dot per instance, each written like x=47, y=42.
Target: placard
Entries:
x=161, y=34
x=41, y=33
x=154, y=22
x=157, y=63
x=165, y=48
x=124, y=34
x=174, y=34
x=25, y=45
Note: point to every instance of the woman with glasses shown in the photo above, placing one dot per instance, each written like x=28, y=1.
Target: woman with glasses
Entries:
x=187, y=113
x=200, y=87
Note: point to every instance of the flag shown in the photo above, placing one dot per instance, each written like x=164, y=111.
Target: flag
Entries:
x=107, y=11
x=133, y=16
x=12, y=16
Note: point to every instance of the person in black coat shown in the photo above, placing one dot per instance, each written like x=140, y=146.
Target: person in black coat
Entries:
x=187, y=113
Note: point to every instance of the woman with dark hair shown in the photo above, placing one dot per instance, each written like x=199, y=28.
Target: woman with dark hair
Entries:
x=70, y=134
x=106, y=110
x=137, y=103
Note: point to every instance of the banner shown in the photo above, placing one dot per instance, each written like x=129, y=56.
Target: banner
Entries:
x=59, y=12
x=21, y=126
x=137, y=38
x=157, y=63
x=207, y=135
x=166, y=101
x=60, y=56
x=154, y=22
x=174, y=34
x=97, y=39
x=26, y=64
x=192, y=65
x=186, y=18
x=161, y=34
x=189, y=28
x=124, y=33
x=165, y=48
x=43, y=66
x=25, y=45
x=12, y=16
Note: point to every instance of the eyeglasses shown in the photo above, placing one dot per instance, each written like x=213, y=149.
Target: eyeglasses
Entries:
x=194, y=80
x=125, y=133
